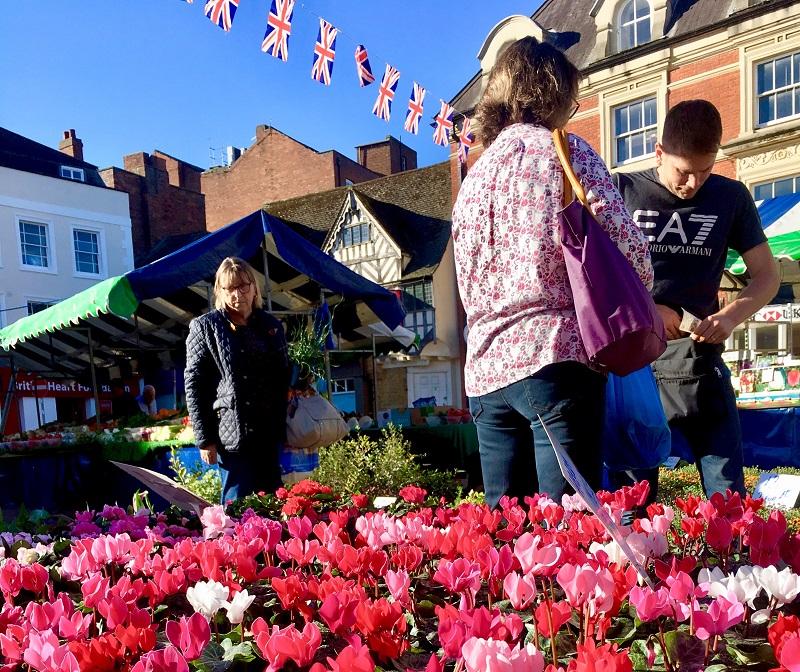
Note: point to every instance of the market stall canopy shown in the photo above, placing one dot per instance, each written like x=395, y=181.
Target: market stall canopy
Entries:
x=149, y=308
x=780, y=219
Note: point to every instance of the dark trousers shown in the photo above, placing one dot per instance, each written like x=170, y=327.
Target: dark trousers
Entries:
x=250, y=472
x=516, y=456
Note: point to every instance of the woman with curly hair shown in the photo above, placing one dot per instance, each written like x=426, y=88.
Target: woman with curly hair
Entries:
x=525, y=358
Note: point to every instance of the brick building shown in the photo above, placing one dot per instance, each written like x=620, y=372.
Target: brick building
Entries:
x=638, y=58
x=165, y=198
x=277, y=167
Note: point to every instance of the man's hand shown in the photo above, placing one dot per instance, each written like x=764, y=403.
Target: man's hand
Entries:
x=209, y=453
x=672, y=321
x=714, y=329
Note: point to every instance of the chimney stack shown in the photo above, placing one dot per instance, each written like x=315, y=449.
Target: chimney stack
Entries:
x=72, y=145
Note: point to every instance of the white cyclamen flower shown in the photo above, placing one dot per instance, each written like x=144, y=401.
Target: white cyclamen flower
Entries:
x=783, y=586
x=207, y=597
x=26, y=556
x=238, y=605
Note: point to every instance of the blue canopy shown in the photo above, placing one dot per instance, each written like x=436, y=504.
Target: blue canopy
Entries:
x=199, y=260
x=149, y=308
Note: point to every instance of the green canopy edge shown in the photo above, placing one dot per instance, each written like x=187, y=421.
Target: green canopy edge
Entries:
x=786, y=245
x=113, y=295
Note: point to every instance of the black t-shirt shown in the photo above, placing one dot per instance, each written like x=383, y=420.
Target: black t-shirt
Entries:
x=689, y=238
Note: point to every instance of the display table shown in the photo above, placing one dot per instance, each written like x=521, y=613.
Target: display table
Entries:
x=65, y=478
x=444, y=447
x=771, y=436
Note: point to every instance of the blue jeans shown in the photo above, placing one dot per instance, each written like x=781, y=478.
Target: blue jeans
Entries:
x=716, y=443
x=516, y=456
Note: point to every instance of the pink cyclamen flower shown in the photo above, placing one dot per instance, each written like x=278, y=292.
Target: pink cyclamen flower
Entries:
x=398, y=584
x=535, y=558
x=281, y=645
x=215, y=522
x=521, y=590
x=790, y=654
x=651, y=604
x=723, y=613
x=46, y=654
x=189, y=635
x=489, y=655
x=413, y=494
x=459, y=575
x=584, y=584
x=168, y=659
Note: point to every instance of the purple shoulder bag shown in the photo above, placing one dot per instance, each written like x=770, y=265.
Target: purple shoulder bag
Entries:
x=617, y=318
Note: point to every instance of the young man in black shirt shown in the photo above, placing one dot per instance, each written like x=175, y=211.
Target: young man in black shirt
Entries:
x=691, y=218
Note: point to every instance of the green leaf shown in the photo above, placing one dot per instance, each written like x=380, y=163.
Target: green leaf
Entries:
x=748, y=655
x=243, y=651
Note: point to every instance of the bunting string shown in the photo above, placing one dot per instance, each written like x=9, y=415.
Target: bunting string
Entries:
x=276, y=43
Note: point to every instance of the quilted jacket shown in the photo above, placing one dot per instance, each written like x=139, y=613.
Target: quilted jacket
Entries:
x=236, y=380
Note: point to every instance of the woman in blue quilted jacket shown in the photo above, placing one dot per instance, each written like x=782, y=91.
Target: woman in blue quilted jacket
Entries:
x=237, y=380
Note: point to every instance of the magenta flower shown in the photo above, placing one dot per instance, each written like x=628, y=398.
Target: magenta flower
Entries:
x=459, y=576
x=189, y=635
x=651, y=604
x=168, y=659
x=46, y=654
x=398, y=584
x=723, y=613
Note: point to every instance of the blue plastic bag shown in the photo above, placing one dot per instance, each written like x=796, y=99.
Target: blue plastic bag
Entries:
x=636, y=434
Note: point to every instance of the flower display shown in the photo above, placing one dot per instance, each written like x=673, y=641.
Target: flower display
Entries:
x=327, y=584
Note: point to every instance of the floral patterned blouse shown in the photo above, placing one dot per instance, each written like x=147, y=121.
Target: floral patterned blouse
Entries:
x=510, y=267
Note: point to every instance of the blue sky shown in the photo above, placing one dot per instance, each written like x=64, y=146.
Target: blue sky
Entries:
x=139, y=75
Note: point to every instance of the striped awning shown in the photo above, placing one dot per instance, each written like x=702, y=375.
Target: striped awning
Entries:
x=780, y=219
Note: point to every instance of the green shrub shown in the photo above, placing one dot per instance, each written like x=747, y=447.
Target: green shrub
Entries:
x=359, y=464
x=204, y=482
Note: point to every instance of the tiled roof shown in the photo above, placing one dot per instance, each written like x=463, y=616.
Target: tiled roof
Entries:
x=21, y=153
x=414, y=207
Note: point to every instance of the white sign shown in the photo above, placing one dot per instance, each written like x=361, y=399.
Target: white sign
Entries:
x=778, y=490
x=163, y=485
x=778, y=313
x=589, y=496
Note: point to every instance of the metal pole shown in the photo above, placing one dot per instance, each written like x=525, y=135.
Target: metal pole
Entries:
x=374, y=380
x=12, y=386
x=94, y=378
x=326, y=353
x=267, y=284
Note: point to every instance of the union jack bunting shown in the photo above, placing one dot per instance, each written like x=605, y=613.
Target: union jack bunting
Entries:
x=465, y=140
x=221, y=12
x=444, y=124
x=279, y=27
x=363, y=69
x=324, y=53
x=383, y=103
x=414, y=113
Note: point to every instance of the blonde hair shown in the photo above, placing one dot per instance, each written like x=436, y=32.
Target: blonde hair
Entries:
x=235, y=270
x=532, y=82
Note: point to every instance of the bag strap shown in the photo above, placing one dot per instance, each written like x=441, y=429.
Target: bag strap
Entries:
x=571, y=183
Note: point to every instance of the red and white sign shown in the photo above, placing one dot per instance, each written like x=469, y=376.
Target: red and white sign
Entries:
x=786, y=313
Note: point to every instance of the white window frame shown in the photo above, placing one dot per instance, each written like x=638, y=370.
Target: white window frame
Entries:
x=101, y=252
x=72, y=173
x=360, y=226
x=3, y=318
x=642, y=129
x=772, y=181
x=348, y=385
x=38, y=299
x=52, y=263
x=793, y=87
x=636, y=21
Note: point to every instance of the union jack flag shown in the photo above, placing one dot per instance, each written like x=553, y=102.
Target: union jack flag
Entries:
x=383, y=103
x=279, y=27
x=465, y=140
x=324, y=53
x=221, y=12
x=444, y=124
x=414, y=113
x=363, y=69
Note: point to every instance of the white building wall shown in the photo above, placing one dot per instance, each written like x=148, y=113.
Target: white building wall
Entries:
x=62, y=206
